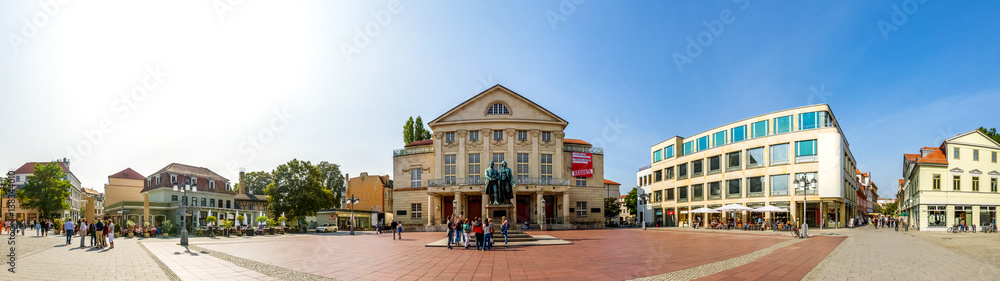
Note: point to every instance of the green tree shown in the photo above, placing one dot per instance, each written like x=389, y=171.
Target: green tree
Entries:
x=46, y=190
x=256, y=181
x=630, y=200
x=992, y=133
x=888, y=208
x=612, y=208
x=332, y=179
x=408, y=131
x=297, y=190
x=419, y=133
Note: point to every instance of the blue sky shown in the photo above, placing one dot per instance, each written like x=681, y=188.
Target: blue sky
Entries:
x=121, y=84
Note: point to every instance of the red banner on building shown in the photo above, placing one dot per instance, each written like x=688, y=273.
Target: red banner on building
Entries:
x=583, y=164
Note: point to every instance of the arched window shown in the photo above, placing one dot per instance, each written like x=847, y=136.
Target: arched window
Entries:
x=497, y=108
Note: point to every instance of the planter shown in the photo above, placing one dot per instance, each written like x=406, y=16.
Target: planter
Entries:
x=165, y=235
x=131, y=234
x=272, y=231
x=145, y=235
x=249, y=232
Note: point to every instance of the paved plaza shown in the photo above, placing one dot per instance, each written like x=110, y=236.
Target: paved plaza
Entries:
x=612, y=254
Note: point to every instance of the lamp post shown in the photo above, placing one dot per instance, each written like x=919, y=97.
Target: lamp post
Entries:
x=805, y=183
x=543, y=213
x=353, y=201
x=184, y=202
x=641, y=201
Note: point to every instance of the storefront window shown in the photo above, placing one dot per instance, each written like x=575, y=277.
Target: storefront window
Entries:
x=935, y=216
x=963, y=214
x=987, y=215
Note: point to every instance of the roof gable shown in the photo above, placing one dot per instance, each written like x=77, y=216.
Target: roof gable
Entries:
x=520, y=108
x=29, y=168
x=128, y=173
x=974, y=137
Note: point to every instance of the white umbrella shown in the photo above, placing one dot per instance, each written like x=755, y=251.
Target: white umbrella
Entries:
x=704, y=210
x=733, y=208
x=770, y=209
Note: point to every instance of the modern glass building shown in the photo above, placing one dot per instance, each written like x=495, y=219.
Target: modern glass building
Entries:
x=754, y=162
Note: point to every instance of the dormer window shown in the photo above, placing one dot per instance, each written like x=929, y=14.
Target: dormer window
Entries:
x=173, y=179
x=498, y=108
x=211, y=184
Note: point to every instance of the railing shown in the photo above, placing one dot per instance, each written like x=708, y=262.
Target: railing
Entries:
x=411, y=151
x=592, y=149
x=482, y=181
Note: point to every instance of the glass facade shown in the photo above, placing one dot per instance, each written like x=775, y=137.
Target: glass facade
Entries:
x=719, y=139
x=779, y=184
x=738, y=133
x=758, y=129
x=657, y=156
x=805, y=151
x=783, y=124
x=779, y=154
x=688, y=147
x=755, y=157
x=734, y=189
x=702, y=143
x=668, y=152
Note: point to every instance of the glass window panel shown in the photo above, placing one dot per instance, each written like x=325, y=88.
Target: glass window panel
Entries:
x=733, y=188
x=779, y=184
x=807, y=121
x=657, y=156
x=688, y=147
x=668, y=152
x=783, y=124
x=738, y=133
x=697, y=167
x=759, y=129
x=756, y=186
x=715, y=163
x=755, y=157
x=733, y=161
x=779, y=154
x=698, y=192
x=702, y=143
x=719, y=138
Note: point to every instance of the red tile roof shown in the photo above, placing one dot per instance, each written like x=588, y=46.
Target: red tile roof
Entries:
x=29, y=168
x=128, y=173
x=623, y=196
x=420, y=142
x=911, y=157
x=901, y=181
x=575, y=141
x=936, y=156
x=928, y=147
x=606, y=181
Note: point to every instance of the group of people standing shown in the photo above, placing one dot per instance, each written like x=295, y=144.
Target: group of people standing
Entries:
x=460, y=229
x=890, y=223
x=396, y=227
x=101, y=232
x=41, y=227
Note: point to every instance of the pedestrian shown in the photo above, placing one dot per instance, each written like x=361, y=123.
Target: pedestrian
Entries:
x=451, y=230
x=459, y=226
x=488, y=234
x=83, y=232
x=111, y=234
x=99, y=233
x=68, y=227
x=399, y=227
x=466, y=231
x=503, y=229
x=93, y=234
x=37, y=225
x=393, y=229
x=477, y=227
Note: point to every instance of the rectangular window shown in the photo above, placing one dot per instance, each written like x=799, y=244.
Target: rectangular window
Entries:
x=805, y=151
x=497, y=158
x=994, y=157
x=682, y=171
x=783, y=124
x=211, y=203
x=812, y=187
x=211, y=184
x=703, y=143
x=936, y=182
x=581, y=209
x=714, y=190
x=733, y=161
x=755, y=157
x=682, y=194
x=522, y=168
x=779, y=154
x=779, y=184
x=204, y=202
x=669, y=173
x=546, y=166
x=698, y=192
x=993, y=185
x=670, y=194
x=697, y=167
x=522, y=135
x=194, y=201
x=414, y=177
x=956, y=183
x=807, y=121
x=184, y=200
x=416, y=211
x=449, y=137
x=975, y=155
x=668, y=152
x=475, y=171
x=719, y=138
x=498, y=135
x=229, y=204
x=546, y=136
x=758, y=129
x=173, y=179
x=657, y=176
x=581, y=181
x=714, y=164
x=657, y=156
x=734, y=189
x=449, y=169
x=956, y=153
x=738, y=134
x=688, y=148
x=756, y=186
x=473, y=135
x=658, y=196
x=173, y=198
x=975, y=183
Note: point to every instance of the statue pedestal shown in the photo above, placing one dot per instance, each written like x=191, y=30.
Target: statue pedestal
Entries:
x=496, y=212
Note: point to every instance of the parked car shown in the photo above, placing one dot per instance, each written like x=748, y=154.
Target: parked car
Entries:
x=326, y=227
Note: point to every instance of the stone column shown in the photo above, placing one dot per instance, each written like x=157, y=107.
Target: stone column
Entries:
x=565, y=207
x=458, y=204
x=430, y=210
x=793, y=216
x=462, y=159
x=843, y=215
x=539, y=207
x=486, y=199
x=438, y=156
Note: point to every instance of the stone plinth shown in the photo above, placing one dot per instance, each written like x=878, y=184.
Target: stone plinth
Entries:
x=498, y=211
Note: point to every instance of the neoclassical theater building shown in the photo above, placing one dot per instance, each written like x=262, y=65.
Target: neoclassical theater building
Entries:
x=559, y=181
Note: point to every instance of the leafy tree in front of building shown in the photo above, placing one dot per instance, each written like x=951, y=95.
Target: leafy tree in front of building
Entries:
x=612, y=209
x=992, y=133
x=297, y=190
x=630, y=200
x=256, y=182
x=414, y=130
x=46, y=190
x=332, y=179
x=887, y=208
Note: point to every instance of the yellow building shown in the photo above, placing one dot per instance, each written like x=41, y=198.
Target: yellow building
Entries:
x=123, y=199
x=443, y=176
x=374, y=194
x=951, y=183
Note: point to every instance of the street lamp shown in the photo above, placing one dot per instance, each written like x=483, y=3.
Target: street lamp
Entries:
x=804, y=183
x=543, y=213
x=184, y=202
x=353, y=201
x=641, y=200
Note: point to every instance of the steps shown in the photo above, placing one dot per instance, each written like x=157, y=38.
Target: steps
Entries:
x=511, y=237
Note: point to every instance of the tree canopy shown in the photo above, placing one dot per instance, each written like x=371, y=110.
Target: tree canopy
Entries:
x=630, y=200
x=297, y=190
x=332, y=179
x=992, y=133
x=611, y=208
x=256, y=182
x=414, y=130
x=46, y=190
x=887, y=208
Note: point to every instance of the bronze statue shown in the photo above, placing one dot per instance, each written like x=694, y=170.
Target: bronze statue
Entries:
x=492, y=182
x=506, y=187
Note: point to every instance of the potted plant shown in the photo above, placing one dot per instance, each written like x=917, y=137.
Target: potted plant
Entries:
x=239, y=231
x=270, y=226
x=58, y=226
x=145, y=231
x=168, y=227
x=212, y=220
x=260, y=220
x=131, y=226
x=226, y=225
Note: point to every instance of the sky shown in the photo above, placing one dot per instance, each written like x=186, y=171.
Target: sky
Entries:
x=252, y=84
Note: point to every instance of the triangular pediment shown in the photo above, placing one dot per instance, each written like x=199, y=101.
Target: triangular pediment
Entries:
x=974, y=137
x=518, y=109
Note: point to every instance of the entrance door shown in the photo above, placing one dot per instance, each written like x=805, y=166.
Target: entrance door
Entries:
x=550, y=208
x=524, y=208
x=449, y=207
x=475, y=207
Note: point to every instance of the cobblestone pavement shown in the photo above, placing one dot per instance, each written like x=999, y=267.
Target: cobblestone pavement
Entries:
x=978, y=246
x=49, y=258
x=194, y=265
x=886, y=254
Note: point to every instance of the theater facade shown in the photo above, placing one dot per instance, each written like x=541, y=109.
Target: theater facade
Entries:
x=558, y=181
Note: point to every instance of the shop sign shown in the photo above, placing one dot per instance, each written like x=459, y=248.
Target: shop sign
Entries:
x=583, y=164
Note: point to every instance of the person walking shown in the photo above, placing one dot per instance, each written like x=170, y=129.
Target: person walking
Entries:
x=83, y=232
x=488, y=235
x=393, y=229
x=399, y=228
x=503, y=229
x=99, y=233
x=93, y=234
x=477, y=227
x=466, y=231
x=111, y=234
x=451, y=230
x=68, y=227
x=37, y=226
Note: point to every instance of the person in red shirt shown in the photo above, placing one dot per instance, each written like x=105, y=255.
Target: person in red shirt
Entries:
x=477, y=227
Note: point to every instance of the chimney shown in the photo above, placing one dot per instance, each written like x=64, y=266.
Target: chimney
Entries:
x=242, y=187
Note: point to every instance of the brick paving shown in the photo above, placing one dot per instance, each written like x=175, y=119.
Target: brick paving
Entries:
x=595, y=255
x=54, y=260
x=789, y=263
